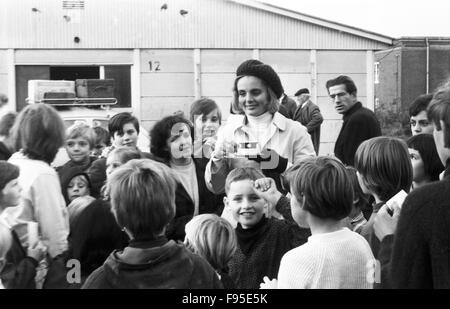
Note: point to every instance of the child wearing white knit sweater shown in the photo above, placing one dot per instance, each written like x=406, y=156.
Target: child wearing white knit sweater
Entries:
x=334, y=257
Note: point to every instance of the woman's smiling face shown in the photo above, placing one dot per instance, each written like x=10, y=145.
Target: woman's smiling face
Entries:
x=180, y=142
x=253, y=95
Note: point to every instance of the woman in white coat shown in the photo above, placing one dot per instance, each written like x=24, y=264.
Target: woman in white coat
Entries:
x=264, y=138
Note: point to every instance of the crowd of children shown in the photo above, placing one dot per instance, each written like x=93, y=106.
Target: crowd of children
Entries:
x=199, y=210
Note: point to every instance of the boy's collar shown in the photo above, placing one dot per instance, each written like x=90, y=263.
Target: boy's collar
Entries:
x=248, y=237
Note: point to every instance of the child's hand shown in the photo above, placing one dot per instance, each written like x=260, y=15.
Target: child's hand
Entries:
x=269, y=284
x=384, y=223
x=264, y=184
x=37, y=251
x=267, y=189
x=210, y=141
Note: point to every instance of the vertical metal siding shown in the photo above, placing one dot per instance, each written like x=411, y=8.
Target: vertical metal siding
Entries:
x=142, y=24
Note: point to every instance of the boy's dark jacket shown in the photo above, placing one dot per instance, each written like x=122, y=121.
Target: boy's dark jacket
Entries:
x=20, y=270
x=418, y=256
x=157, y=264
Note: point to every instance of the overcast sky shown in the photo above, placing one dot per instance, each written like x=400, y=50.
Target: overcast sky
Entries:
x=395, y=18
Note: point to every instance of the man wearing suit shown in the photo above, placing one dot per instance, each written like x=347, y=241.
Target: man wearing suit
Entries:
x=289, y=104
x=308, y=114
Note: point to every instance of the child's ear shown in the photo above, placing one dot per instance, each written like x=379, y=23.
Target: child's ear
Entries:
x=356, y=201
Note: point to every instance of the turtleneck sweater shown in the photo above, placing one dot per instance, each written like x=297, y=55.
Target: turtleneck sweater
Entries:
x=259, y=127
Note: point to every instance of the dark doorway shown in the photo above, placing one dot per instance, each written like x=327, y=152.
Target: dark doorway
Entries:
x=24, y=73
x=73, y=73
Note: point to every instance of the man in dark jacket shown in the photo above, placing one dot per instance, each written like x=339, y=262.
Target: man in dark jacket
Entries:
x=289, y=105
x=360, y=123
x=415, y=253
x=308, y=114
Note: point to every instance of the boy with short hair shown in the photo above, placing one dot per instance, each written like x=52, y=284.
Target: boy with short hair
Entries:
x=123, y=129
x=142, y=194
x=262, y=241
x=418, y=115
x=79, y=144
x=334, y=257
x=384, y=169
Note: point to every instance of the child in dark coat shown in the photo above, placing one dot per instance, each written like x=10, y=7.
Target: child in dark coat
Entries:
x=142, y=194
x=262, y=241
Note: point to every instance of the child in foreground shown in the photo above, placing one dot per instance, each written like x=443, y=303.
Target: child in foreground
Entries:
x=334, y=257
x=142, y=194
x=213, y=238
x=262, y=241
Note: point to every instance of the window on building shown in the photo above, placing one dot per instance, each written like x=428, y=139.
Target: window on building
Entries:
x=120, y=73
x=376, y=72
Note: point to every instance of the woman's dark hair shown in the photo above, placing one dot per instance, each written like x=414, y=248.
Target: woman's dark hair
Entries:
x=425, y=145
x=161, y=132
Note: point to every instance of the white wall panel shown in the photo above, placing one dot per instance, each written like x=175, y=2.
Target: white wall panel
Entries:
x=223, y=60
x=341, y=62
x=167, y=84
x=287, y=61
x=155, y=108
x=217, y=84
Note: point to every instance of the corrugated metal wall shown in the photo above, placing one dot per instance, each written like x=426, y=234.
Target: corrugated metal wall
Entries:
x=143, y=24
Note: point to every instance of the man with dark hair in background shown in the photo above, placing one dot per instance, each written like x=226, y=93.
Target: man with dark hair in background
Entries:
x=360, y=123
x=418, y=115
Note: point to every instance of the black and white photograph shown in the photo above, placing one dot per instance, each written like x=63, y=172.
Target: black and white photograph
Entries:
x=224, y=148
